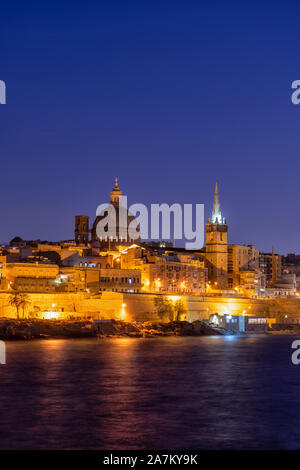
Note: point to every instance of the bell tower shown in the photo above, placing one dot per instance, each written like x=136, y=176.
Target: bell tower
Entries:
x=216, y=246
x=81, y=229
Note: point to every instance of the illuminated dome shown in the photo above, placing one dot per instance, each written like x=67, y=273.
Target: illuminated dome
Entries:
x=120, y=236
x=115, y=193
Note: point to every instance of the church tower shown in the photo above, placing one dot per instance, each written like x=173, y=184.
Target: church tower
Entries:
x=81, y=229
x=216, y=246
x=115, y=193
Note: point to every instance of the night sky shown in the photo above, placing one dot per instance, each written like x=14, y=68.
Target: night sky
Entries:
x=168, y=95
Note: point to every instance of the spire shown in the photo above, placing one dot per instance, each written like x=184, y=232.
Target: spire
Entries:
x=116, y=183
x=216, y=215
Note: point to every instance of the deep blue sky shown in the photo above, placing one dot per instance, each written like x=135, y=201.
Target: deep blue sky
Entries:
x=168, y=95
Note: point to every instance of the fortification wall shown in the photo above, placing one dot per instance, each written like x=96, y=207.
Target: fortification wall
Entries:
x=140, y=307
x=281, y=307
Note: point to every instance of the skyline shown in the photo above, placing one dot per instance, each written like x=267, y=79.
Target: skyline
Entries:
x=165, y=98
x=216, y=212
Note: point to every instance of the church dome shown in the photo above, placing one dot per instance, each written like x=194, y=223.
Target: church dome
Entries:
x=16, y=241
x=111, y=225
x=115, y=193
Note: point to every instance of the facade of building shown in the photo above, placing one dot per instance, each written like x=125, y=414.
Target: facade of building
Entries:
x=27, y=276
x=120, y=280
x=243, y=269
x=168, y=274
x=34, y=284
x=271, y=266
x=240, y=323
x=286, y=286
x=166, y=271
x=250, y=284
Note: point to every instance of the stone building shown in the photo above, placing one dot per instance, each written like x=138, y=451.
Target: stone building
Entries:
x=170, y=273
x=120, y=280
x=216, y=246
x=243, y=266
x=271, y=266
x=286, y=286
x=33, y=277
x=34, y=284
x=81, y=231
x=165, y=270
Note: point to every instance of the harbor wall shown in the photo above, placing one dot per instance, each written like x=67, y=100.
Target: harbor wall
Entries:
x=140, y=307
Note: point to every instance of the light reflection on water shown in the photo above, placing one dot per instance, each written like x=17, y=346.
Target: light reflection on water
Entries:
x=163, y=393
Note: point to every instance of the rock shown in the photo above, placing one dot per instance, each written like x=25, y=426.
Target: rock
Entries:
x=31, y=329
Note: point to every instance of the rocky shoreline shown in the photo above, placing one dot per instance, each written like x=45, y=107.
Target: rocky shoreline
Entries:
x=11, y=329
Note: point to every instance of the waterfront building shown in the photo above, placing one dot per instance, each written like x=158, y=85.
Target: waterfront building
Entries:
x=286, y=286
x=251, y=283
x=240, y=323
x=241, y=258
x=244, y=274
x=271, y=266
x=120, y=280
x=291, y=265
x=27, y=276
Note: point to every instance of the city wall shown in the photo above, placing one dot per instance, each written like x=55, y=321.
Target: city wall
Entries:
x=140, y=307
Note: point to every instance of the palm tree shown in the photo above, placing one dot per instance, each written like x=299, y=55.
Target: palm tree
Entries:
x=24, y=302
x=15, y=301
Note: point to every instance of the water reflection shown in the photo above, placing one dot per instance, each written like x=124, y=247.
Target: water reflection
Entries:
x=165, y=393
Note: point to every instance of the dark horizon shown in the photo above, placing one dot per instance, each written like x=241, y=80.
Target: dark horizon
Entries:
x=170, y=97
